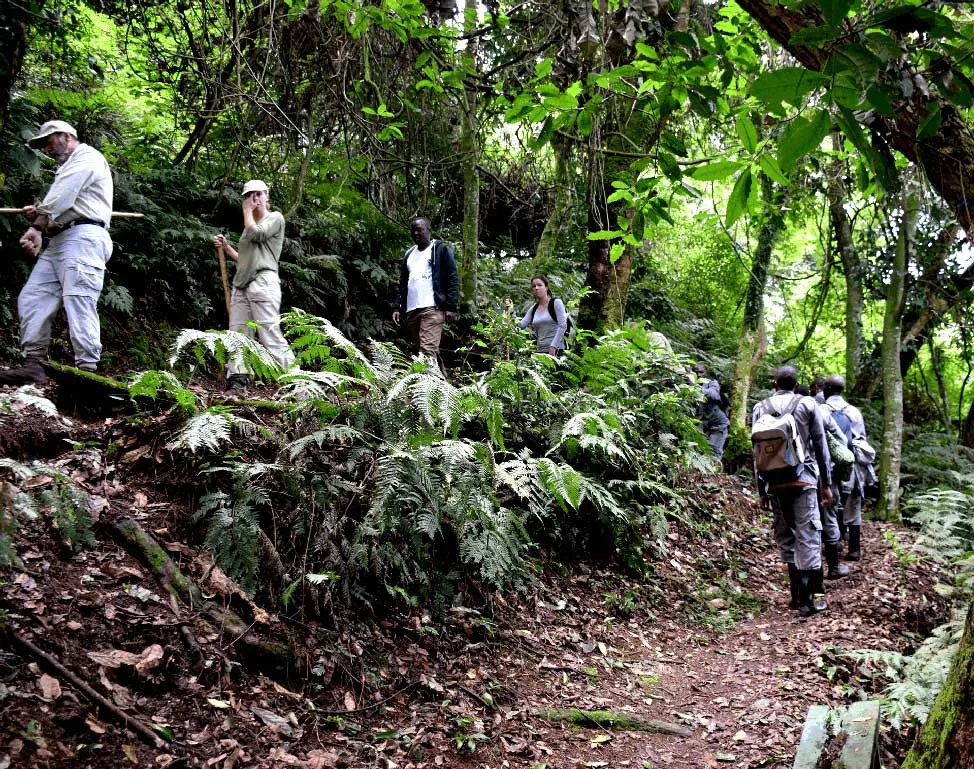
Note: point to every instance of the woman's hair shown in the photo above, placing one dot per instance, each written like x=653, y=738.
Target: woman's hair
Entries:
x=543, y=279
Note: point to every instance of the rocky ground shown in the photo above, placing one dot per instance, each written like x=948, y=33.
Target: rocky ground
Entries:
x=704, y=647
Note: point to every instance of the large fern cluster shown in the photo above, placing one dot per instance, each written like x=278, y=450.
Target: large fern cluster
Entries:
x=405, y=483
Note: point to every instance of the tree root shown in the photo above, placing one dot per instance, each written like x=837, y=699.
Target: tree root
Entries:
x=280, y=661
x=610, y=719
x=56, y=668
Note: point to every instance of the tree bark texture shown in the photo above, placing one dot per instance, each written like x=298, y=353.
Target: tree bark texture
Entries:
x=470, y=150
x=946, y=157
x=838, y=194
x=946, y=740
x=891, y=450
x=14, y=28
x=753, y=342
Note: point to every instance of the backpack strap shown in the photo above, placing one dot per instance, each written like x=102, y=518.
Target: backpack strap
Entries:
x=789, y=409
x=531, y=314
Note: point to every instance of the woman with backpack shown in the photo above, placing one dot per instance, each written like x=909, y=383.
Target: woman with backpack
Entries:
x=548, y=318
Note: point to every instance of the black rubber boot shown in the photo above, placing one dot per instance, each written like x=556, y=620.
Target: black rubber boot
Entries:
x=30, y=373
x=793, y=583
x=238, y=384
x=855, y=544
x=836, y=570
x=811, y=600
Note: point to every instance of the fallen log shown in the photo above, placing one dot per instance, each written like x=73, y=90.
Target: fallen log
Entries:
x=54, y=667
x=610, y=719
x=278, y=660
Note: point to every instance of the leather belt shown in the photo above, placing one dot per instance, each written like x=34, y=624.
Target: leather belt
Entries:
x=76, y=222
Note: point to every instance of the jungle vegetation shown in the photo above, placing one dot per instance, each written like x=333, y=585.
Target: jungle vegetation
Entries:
x=759, y=181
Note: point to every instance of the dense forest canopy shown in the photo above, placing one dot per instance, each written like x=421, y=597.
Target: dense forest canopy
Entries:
x=760, y=181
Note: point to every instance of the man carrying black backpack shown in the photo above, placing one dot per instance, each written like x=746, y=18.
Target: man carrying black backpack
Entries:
x=793, y=492
x=850, y=421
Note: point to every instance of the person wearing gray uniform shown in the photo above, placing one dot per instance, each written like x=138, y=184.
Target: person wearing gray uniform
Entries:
x=69, y=236
x=797, y=518
x=853, y=490
x=714, y=421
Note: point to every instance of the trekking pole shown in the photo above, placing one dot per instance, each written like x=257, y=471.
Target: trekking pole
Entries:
x=115, y=214
x=223, y=276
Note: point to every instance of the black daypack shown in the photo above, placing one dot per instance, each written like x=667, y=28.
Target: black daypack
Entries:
x=844, y=423
x=569, y=327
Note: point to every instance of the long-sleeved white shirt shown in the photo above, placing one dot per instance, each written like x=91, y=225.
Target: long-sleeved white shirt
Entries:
x=82, y=189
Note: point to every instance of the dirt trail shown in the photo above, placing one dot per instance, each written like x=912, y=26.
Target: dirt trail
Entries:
x=705, y=641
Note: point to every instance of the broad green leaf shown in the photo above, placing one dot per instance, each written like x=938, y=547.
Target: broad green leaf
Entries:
x=737, y=203
x=747, y=133
x=604, y=235
x=871, y=158
x=560, y=102
x=835, y=10
x=804, y=135
x=543, y=68
x=770, y=167
x=930, y=123
x=713, y=172
x=616, y=252
x=884, y=46
x=789, y=84
x=585, y=123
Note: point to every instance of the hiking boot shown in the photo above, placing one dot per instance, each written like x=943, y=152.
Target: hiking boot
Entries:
x=30, y=373
x=238, y=384
x=793, y=584
x=811, y=599
x=836, y=570
x=855, y=544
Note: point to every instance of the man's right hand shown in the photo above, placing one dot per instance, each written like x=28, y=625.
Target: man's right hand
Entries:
x=395, y=317
x=32, y=241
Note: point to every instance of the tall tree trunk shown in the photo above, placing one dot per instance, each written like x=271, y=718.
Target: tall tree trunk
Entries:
x=470, y=150
x=855, y=303
x=562, y=206
x=753, y=342
x=888, y=508
x=14, y=25
x=946, y=741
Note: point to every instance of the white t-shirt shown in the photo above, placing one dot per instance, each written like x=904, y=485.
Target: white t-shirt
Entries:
x=419, y=290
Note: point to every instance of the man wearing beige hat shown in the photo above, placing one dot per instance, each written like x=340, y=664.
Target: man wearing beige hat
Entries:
x=256, y=294
x=73, y=219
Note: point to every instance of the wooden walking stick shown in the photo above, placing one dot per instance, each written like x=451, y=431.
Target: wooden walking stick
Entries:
x=115, y=214
x=223, y=276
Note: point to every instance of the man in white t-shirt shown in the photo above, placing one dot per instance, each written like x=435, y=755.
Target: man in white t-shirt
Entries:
x=429, y=289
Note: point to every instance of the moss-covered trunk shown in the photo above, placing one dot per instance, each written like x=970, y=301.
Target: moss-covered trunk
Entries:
x=946, y=740
x=753, y=343
x=891, y=450
x=842, y=229
x=470, y=149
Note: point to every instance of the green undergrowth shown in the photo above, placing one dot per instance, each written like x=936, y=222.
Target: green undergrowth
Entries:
x=408, y=487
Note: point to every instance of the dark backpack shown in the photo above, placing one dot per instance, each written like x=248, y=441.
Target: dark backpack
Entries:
x=844, y=423
x=569, y=327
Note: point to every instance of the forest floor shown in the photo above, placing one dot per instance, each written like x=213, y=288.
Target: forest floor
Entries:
x=706, y=643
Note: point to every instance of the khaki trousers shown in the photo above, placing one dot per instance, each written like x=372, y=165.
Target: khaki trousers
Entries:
x=425, y=329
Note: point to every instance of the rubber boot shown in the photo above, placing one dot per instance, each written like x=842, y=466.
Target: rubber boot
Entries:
x=836, y=570
x=794, y=580
x=30, y=373
x=855, y=544
x=810, y=599
x=238, y=384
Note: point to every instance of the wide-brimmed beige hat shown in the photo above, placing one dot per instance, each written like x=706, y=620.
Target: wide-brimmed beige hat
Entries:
x=51, y=127
x=254, y=185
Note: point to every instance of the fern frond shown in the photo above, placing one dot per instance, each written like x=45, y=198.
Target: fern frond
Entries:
x=27, y=395
x=211, y=429
x=224, y=346
x=148, y=384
